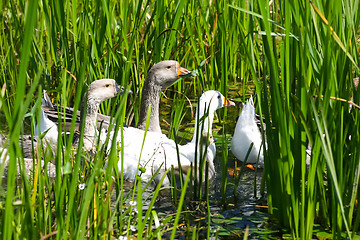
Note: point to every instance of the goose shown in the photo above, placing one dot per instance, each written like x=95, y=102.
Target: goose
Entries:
x=247, y=132
x=159, y=152
x=97, y=92
x=161, y=76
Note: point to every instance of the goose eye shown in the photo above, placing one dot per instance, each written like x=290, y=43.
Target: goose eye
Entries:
x=107, y=85
x=218, y=96
x=168, y=67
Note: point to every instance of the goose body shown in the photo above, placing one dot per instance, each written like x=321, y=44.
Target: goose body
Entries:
x=247, y=132
x=160, y=76
x=160, y=153
x=3, y=155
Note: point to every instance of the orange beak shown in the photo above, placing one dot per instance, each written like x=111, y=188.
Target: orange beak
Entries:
x=228, y=103
x=181, y=71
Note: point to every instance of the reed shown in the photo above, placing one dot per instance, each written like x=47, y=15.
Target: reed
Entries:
x=301, y=58
x=309, y=63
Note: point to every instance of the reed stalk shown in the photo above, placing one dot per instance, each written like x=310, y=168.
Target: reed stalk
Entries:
x=300, y=59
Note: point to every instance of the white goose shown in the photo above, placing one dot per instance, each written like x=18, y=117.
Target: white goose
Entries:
x=247, y=132
x=160, y=152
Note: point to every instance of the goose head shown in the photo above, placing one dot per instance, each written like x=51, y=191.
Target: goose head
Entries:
x=160, y=76
x=166, y=73
x=98, y=91
x=103, y=89
x=209, y=102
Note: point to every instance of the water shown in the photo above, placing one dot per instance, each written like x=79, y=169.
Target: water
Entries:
x=246, y=210
x=231, y=216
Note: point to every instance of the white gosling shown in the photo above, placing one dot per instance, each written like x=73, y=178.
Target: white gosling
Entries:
x=247, y=132
x=159, y=152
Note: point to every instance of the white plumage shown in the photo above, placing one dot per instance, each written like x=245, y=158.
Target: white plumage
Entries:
x=160, y=151
x=247, y=132
x=48, y=126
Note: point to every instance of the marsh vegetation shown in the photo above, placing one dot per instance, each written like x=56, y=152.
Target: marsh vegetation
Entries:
x=299, y=59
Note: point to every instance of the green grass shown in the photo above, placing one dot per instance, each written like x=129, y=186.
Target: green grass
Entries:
x=320, y=61
x=301, y=57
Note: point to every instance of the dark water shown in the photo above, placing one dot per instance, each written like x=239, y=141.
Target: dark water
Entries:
x=230, y=217
x=242, y=208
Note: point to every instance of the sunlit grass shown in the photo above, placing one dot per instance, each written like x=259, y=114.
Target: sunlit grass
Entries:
x=301, y=57
x=321, y=62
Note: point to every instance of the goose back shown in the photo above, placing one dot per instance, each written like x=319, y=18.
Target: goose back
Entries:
x=247, y=132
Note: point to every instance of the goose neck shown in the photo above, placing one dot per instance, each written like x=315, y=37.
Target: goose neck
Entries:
x=90, y=121
x=150, y=96
x=203, y=125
